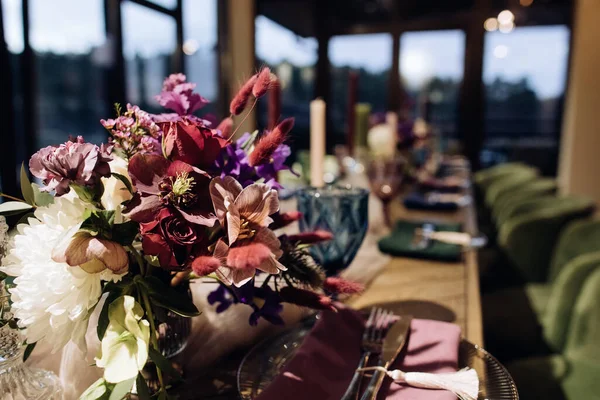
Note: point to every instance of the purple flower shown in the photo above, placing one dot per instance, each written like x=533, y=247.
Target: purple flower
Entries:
x=265, y=302
x=233, y=161
x=178, y=95
x=72, y=162
x=223, y=297
x=174, y=117
x=269, y=171
x=134, y=132
x=270, y=309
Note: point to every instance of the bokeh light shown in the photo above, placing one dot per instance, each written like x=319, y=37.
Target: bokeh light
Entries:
x=490, y=24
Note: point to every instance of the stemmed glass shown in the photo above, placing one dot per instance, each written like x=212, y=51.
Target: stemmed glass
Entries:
x=343, y=211
x=385, y=179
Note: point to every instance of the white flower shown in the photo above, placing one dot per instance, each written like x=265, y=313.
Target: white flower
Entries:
x=115, y=191
x=52, y=300
x=381, y=140
x=125, y=343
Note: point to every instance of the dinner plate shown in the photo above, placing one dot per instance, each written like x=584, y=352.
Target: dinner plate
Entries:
x=267, y=359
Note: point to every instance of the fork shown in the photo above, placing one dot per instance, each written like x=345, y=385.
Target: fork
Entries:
x=376, y=327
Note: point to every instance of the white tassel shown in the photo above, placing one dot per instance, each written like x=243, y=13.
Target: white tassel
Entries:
x=464, y=383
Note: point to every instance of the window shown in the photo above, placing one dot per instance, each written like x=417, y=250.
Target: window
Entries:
x=67, y=36
x=171, y=4
x=524, y=72
x=200, y=48
x=149, y=43
x=293, y=59
x=73, y=63
x=431, y=68
x=370, y=56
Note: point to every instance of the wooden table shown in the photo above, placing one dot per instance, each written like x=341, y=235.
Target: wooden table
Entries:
x=454, y=286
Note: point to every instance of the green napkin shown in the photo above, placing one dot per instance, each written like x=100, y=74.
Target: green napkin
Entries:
x=399, y=243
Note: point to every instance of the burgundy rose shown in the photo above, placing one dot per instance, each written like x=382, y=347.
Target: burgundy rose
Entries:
x=178, y=230
x=172, y=239
x=192, y=143
x=74, y=161
x=176, y=186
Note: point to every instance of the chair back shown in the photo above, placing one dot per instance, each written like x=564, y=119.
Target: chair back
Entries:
x=505, y=203
x=509, y=184
x=485, y=177
x=529, y=237
x=577, y=238
x=565, y=291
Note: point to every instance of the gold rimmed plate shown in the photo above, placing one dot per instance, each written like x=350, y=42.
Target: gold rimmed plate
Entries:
x=267, y=359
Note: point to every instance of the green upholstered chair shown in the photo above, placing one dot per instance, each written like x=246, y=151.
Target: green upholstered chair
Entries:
x=533, y=319
x=528, y=237
x=483, y=180
x=508, y=184
x=579, y=237
x=507, y=201
x=540, y=312
x=555, y=307
x=486, y=176
x=574, y=373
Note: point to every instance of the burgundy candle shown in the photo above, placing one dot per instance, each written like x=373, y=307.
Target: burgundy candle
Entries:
x=274, y=108
x=352, y=98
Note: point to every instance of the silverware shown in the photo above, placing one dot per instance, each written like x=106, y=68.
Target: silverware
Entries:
x=377, y=325
x=422, y=237
x=436, y=197
x=393, y=345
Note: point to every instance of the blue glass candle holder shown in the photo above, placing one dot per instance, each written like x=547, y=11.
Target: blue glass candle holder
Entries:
x=343, y=211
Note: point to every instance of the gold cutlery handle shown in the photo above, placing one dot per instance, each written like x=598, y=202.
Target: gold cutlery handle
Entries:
x=375, y=384
x=351, y=391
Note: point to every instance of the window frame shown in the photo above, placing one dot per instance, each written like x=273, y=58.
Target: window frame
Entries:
x=115, y=75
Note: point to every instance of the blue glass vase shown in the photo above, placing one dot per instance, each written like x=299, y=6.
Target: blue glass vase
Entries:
x=343, y=211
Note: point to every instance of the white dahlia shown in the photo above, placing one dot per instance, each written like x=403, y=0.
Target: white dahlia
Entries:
x=52, y=300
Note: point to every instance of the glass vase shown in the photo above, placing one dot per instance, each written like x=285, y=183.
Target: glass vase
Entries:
x=17, y=380
x=173, y=334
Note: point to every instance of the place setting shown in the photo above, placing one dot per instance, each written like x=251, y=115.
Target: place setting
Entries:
x=417, y=359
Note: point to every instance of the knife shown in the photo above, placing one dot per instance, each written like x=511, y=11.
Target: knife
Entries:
x=393, y=344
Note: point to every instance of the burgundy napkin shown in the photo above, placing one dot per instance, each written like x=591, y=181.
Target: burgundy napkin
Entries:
x=324, y=364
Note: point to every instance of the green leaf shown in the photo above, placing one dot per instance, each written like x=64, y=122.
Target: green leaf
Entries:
x=28, y=350
x=99, y=390
x=165, y=296
x=100, y=221
x=3, y=276
x=41, y=199
x=142, y=388
x=125, y=233
x=84, y=193
x=25, y=218
x=26, y=188
x=164, y=364
x=125, y=181
x=103, y=317
x=122, y=389
x=14, y=207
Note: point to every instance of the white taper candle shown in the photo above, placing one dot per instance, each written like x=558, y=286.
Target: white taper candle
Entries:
x=317, y=142
x=391, y=119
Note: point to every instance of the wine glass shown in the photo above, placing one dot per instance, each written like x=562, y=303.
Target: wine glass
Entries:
x=343, y=211
x=385, y=179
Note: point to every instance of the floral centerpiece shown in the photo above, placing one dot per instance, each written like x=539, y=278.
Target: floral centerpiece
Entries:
x=126, y=225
